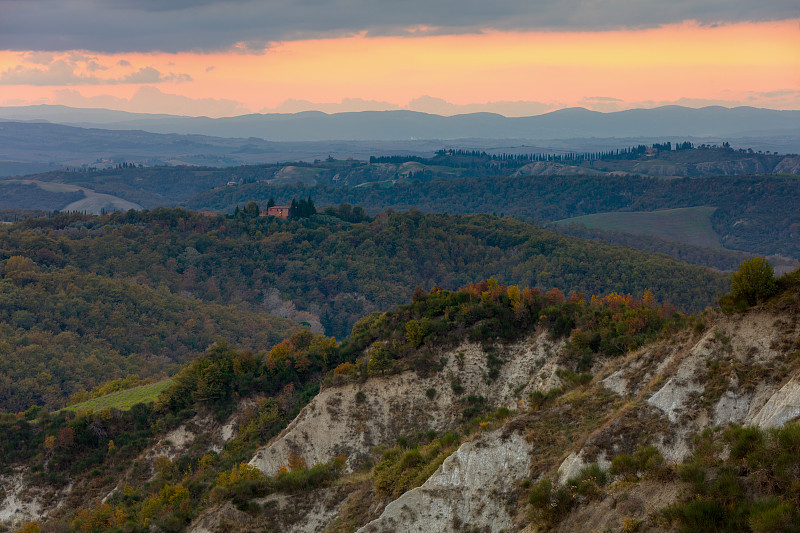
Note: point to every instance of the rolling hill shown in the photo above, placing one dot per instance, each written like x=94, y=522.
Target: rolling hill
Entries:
x=668, y=121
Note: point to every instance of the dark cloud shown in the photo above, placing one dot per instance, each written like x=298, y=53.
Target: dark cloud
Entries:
x=174, y=25
x=38, y=58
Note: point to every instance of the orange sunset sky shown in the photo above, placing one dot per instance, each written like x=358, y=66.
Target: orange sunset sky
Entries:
x=513, y=71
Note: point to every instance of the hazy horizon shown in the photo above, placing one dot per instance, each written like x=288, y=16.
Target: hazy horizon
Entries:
x=505, y=109
x=514, y=58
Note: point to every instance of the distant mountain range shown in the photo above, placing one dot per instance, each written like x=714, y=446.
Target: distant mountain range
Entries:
x=668, y=121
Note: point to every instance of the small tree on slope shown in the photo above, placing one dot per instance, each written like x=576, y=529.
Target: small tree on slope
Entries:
x=754, y=281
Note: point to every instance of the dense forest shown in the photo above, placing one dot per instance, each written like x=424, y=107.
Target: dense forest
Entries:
x=720, y=259
x=338, y=271
x=754, y=213
x=32, y=197
x=86, y=299
x=63, y=331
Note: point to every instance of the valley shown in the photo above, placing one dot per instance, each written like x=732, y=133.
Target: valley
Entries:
x=350, y=266
x=458, y=340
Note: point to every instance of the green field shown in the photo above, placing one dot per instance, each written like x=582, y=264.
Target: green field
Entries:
x=690, y=225
x=124, y=399
x=96, y=203
x=290, y=175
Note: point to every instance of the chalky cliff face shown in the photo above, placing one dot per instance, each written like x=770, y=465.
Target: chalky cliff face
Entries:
x=354, y=418
x=736, y=369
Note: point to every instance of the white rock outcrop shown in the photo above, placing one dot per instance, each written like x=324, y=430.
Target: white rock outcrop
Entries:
x=781, y=407
x=471, y=488
x=351, y=419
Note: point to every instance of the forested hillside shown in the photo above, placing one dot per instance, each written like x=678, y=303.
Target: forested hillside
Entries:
x=719, y=259
x=63, y=331
x=337, y=272
x=754, y=213
x=275, y=385
x=511, y=380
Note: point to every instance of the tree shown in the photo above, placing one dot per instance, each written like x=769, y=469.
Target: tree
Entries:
x=302, y=208
x=251, y=209
x=19, y=268
x=416, y=331
x=380, y=360
x=754, y=281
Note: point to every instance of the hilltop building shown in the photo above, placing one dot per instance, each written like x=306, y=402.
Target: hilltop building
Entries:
x=280, y=211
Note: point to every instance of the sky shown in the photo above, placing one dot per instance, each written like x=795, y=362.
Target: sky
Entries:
x=513, y=57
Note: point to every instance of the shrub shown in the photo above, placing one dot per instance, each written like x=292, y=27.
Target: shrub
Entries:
x=573, y=379
x=551, y=504
x=699, y=515
x=296, y=463
x=380, y=359
x=771, y=515
x=625, y=466
x=502, y=413
x=589, y=481
x=308, y=478
x=475, y=406
x=409, y=464
x=538, y=399
x=240, y=472
x=630, y=525
x=745, y=441
x=345, y=369
x=693, y=473
x=540, y=494
x=754, y=281
x=645, y=461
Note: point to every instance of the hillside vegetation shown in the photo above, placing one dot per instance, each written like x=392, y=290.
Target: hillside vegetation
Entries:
x=754, y=209
x=753, y=213
x=691, y=225
x=717, y=258
x=63, y=331
x=274, y=385
x=329, y=272
x=602, y=428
